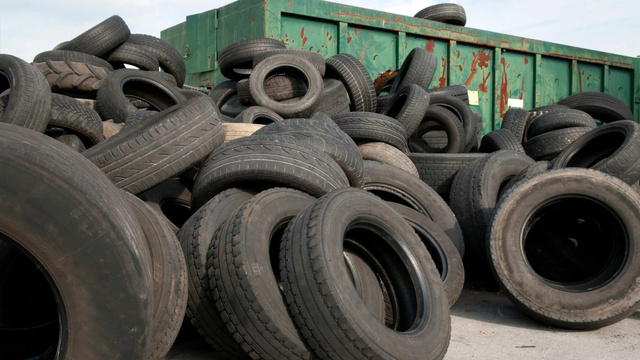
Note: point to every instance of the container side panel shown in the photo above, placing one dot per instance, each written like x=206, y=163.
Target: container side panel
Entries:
x=175, y=36
x=590, y=77
x=201, y=42
x=517, y=80
x=298, y=32
x=555, y=80
x=438, y=48
x=375, y=48
x=621, y=85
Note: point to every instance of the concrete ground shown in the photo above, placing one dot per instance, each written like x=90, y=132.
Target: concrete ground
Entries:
x=486, y=325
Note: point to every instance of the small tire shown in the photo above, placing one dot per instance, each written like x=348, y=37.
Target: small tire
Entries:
x=356, y=79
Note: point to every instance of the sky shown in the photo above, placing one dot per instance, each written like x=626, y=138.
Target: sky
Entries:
x=30, y=27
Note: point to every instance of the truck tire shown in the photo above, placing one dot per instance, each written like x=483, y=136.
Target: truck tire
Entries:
x=73, y=57
x=72, y=78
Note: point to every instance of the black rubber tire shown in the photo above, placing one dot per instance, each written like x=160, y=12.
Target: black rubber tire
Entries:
x=531, y=170
x=438, y=118
x=409, y=106
x=101, y=38
x=112, y=99
x=457, y=91
x=460, y=108
x=257, y=115
x=170, y=60
x=313, y=57
x=232, y=108
x=83, y=217
x=382, y=102
x=171, y=200
x=71, y=140
x=365, y=126
x=73, y=78
x=448, y=13
x=501, y=139
x=132, y=54
x=601, y=106
x=516, y=120
x=261, y=164
x=474, y=194
x=548, y=145
x=439, y=170
x=417, y=69
x=236, y=60
x=29, y=105
x=612, y=148
x=323, y=135
x=367, y=284
x=560, y=120
x=195, y=237
x=71, y=114
x=442, y=250
x=325, y=299
x=548, y=254
x=251, y=302
x=394, y=185
x=541, y=110
x=169, y=278
x=291, y=65
x=222, y=92
x=73, y=57
x=387, y=154
x=278, y=87
x=356, y=80
x=161, y=147
x=139, y=116
x=333, y=101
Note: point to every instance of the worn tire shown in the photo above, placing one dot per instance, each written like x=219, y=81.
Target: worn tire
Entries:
x=236, y=60
x=516, y=121
x=71, y=114
x=170, y=60
x=387, y=154
x=313, y=57
x=453, y=14
x=560, y=120
x=464, y=112
x=501, y=139
x=417, y=69
x=257, y=115
x=601, y=106
x=171, y=200
x=363, y=126
x=409, y=106
x=101, y=38
x=132, y=54
x=548, y=145
x=438, y=118
x=356, y=80
x=457, y=91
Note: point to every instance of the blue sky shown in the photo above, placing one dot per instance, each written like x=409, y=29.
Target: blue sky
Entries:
x=30, y=27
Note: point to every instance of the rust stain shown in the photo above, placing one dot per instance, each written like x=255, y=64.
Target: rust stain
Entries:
x=480, y=59
x=291, y=4
x=458, y=54
x=327, y=33
x=526, y=60
x=364, y=48
x=483, y=86
x=349, y=39
x=304, y=38
x=460, y=67
x=430, y=45
x=330, y=38
x=443, y=79
x=504, y=90
x=483, y=59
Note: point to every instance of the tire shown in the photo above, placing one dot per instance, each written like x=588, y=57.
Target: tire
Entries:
x=356, y=79
x=560, y=120
x=222, y=92
x=439, y=170
x=83, y=217
x=262, y=164
x=29, y=105
x=474, y=194
x=333, y=101
x=251, y=302
x=361, y=126
x=394, y=185
x=236, y=60
x=71, y=114
x=169, y=59
x=546, y=252
x=112, y=97
x=417, y=69
x=161, y=147
x=457, y=91
x=313, y=57
x=387, y=154
x=323, y=135
x=233, y=108
x=516, y=121
x=101, y=38
x=169, y=278
x=139, y=116
x=294, y=66
x=381, y=102
x=458, y=106
x=612, y=148
x=278, y=87
x=71, y=140
x=548, y=145
x=171, y=200
x=257, y=115
x=409, y=106
x=531, y=170
x=601, y=106
x=325, y=299
x=541, y=110
x=438, y=118
x=195, y=237
x=234, y=131
x=132, y=54
x=72, y=57
x=501, y=139
x=72, y=78
x=444, y=253
x=453, y=14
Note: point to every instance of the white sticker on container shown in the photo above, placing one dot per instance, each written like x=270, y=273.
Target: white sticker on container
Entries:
x=473, y=97
x=516, y=103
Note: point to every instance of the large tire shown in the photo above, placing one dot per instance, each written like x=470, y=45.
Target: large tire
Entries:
x=325, y=299
x=112, y=100
x=394, y=185
x=86, y=221
x=356, y=79
x=169, y=58
x=101, y=38
x=261, y=164
x=453, y=14
x=387, y=154
x=474, y=194
x=251, y=301
x=195, y=237
x=417, y=69
x=236, y=60
x=29, y=105
x=562, y=245
x=364, y=126
x=160, y=147
x=601, y=106
x=71, y=114
x=409, y=106
x=613, y=148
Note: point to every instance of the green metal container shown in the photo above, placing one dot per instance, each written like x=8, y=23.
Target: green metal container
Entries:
x=503, y=70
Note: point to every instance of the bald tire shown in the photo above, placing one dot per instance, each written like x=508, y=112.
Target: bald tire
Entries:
x=387, y=154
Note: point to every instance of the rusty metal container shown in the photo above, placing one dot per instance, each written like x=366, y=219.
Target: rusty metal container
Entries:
x=502, y=70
